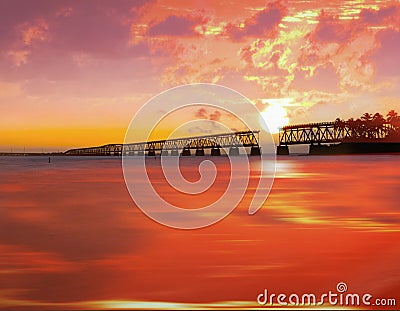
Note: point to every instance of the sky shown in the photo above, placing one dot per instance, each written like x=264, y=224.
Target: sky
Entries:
x=73, y=73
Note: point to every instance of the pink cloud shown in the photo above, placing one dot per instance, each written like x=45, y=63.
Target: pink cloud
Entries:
x=69, y=41
x=182, y=26
x=324, y=79
x=347, y=45
x=331, y=29
x=386, y=56
x=216, y=116
x=109, y=48
x=34, y=32
x=262, y=24
x=202, y=113
x=377, y=17
x=97, y=27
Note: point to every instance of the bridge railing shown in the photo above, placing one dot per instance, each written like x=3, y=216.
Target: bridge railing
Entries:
x=332, y=132
x=216, y=141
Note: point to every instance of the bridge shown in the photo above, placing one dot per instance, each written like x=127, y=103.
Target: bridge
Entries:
x=179, y=146
x=317, y=135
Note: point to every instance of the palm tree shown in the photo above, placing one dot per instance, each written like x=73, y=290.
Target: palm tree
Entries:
x=341, y=125
x=360, y=128
x=366, y=117
x=393, y=119
x=378, y=122
x=352, y=126
x=392, y=115
x=378, y=116
x=365, y=125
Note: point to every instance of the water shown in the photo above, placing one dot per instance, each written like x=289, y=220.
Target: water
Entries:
x=71, y=237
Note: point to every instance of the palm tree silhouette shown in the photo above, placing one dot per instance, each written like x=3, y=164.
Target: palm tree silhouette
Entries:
x=391, y=116
x=366, y=117
x=340, y=125
x=393, y=119
x=366, y=129
x=352, y=126
x=370, y=126
x=378, y=122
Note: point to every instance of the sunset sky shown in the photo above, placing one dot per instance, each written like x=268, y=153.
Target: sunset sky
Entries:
x=73, y=73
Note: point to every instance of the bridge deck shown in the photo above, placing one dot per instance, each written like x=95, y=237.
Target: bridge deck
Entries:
x=216, y=141
x=332, y=132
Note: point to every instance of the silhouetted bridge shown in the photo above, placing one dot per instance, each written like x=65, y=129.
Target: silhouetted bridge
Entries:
x=317, y=135
x=179, y=146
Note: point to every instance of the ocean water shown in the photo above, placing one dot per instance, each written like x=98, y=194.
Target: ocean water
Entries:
x=72, y=237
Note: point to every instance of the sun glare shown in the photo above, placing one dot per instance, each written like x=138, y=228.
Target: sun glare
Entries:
x=273, y=118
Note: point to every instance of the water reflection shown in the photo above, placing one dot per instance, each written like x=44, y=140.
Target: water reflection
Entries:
x=70, y=237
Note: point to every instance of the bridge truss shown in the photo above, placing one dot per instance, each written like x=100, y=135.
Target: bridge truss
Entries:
x=331, y=132
x=183, y=146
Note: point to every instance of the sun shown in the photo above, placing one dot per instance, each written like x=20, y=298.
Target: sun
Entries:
x=273, y=118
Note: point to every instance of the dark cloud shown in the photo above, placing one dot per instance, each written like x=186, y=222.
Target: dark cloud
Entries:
x=202, y=113
x=98, y=27
x=67, y=38
x=262, y=24
x=13, y=13
x=175, y=26
x=376, y=17
x=216, y=116
x=331, y=29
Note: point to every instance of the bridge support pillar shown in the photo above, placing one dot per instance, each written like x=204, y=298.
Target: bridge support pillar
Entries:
x=320, y=149
x=200, y=152
x=282, y=150
x=174, y=153
x=255, y=151
x=215, y=152
x=234, y=151
x=186, y=153
x=151, y=153
x=164, y=153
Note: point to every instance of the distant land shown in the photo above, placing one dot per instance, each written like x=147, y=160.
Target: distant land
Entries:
x=32, y=153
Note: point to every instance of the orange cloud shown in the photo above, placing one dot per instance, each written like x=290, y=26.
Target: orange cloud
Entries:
x=37, y=32
x=19, y=57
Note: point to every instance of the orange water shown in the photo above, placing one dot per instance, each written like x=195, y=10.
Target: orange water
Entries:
x=71, y=237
